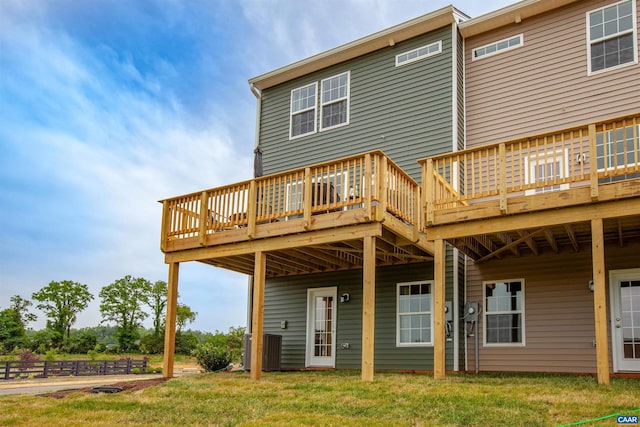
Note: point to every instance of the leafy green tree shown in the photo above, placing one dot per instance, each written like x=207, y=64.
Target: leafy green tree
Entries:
x=22, y=305
x=158, y=304
x=122, y=303
x=184, y=316
x=61, y=302
x=12, y=330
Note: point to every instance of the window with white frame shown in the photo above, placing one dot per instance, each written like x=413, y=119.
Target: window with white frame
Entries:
x=414, y=322
x=618, y=148
x=497, y=47
x=303, y=110
x=547, y=168
x=504, y=312
x=611, y=34
x=419, y=53
x=334, y=100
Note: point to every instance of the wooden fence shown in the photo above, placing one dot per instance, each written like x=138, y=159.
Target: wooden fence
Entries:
x=59, y=368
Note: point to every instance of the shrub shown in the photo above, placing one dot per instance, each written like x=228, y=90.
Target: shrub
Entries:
x=212, y=358
x=51, y=355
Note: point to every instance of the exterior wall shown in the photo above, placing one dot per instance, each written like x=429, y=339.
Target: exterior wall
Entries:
x=286, y=299
x=405, y=111
x=559, y=314
x=543, y=86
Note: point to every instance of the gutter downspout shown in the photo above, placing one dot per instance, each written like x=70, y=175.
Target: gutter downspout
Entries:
x=256, y=92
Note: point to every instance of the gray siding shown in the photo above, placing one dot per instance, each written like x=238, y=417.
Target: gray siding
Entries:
x=405, y=111
x=286, y=299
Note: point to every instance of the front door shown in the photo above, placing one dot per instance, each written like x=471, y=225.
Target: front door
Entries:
x=625, y=319
x=321, y=327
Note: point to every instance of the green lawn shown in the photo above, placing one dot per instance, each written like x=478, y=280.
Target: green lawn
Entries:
x=339, y=398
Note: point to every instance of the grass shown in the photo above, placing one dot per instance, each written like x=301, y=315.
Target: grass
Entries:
x=341, y=399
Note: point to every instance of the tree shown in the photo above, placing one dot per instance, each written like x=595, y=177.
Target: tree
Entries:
x=61, y=302
x=22, y=305
x=122, y=303
x=158, y=304
x=12, y=331
x=184, y=316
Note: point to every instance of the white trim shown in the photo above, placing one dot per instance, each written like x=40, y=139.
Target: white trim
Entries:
x=430, y=312
x=346, y=98
x=485, y=313
x=314, y=109
x=633, y=31
x=311, y=292
x=456, y=315
x=498, y=50
x=614, y=276
x=419, y=57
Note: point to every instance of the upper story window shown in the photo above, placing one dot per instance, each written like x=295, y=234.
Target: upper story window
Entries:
x=497, y=47
x=334, y=94
x=303, y=110
x=612, y=36
x=419, y=53
x=414, y=322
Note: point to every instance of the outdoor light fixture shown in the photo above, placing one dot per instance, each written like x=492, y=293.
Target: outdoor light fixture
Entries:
x=345, y=298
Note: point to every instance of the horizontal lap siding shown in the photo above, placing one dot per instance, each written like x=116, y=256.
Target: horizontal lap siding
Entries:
x=405, y=111
x=543, y=86
x=559, y=318
x=286, y=299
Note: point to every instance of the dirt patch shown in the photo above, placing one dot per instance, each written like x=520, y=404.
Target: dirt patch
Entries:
x=124, y=385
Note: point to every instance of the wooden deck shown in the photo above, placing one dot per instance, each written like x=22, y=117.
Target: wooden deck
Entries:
x=310, y=220
x=538, y=193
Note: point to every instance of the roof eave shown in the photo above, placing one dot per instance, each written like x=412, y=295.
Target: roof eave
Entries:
x=389, y=37
x=511, y=14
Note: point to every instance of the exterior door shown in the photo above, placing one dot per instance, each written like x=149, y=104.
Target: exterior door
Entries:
x=321, y=327
x=625, y=319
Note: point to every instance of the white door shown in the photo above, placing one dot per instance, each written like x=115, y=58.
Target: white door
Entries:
x=625, y=319
x=321, y=327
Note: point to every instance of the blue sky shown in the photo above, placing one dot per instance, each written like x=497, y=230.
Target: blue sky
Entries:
x=108, y=106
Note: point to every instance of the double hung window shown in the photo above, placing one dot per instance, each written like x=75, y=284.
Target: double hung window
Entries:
x=611, y=33
x=414, y=322
x=303, y=110
x=504, y=313
x=333, y=100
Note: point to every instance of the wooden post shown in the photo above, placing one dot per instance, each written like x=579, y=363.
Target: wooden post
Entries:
x=368, y=307
x=170, y=322
x=593, y=162
x=166, y=223
x=204, y=213
x=257, y=328
x=381, y=188
x=502, y=171
x=306, y=199
x=417, y=215
x=252, y=204
x=366, y=187
x=439, y=258
x=429, y=192
x=600, y=301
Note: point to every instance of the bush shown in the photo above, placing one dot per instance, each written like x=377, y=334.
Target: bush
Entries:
x=186, y=343
x=212, y=358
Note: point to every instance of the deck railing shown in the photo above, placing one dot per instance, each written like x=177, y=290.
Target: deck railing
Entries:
x=370, y=181
x=581, y=156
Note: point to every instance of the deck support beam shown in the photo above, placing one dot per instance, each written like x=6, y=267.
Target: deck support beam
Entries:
x=368, y=307
x=600, y=301
x=438, y=308
x=257, y=327
x=170, y=323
